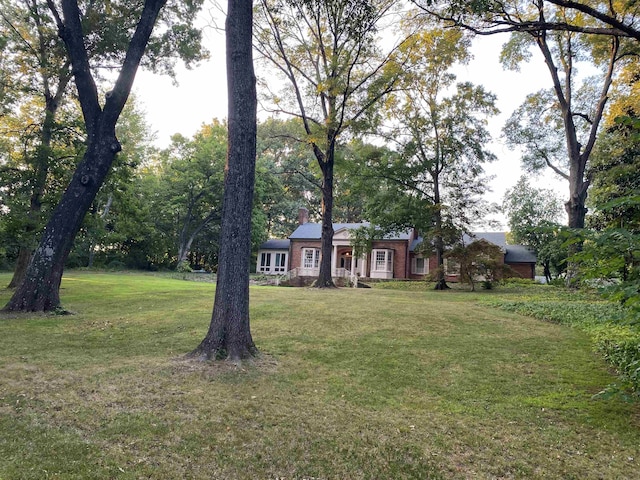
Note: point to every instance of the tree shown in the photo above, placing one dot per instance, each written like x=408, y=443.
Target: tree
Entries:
x=229, y=334
x=439, y=131
x=40, y=289
x=118, y=218
x=191, y=182
x=616, y=19
x=576, y=112
x=42, y=72
x=326, y=52
x=532, y=217
x=288, y=176
x=478, y=261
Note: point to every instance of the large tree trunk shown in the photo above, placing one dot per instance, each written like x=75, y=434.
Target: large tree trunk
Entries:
x=229, y=334
x=325, y=279
x=39, y=290
x=441, y=283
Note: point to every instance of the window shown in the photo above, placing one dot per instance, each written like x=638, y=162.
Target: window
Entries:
x=280, y=264
x=420, y=266
x=310, y=258
x=265, y=261
x=382, y=260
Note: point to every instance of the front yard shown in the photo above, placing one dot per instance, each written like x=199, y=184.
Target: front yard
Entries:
x=367, y=383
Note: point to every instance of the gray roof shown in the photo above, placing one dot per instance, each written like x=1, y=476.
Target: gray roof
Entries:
x=513, y=253
x=275, y=244
x=519, y=254
x=313, y=231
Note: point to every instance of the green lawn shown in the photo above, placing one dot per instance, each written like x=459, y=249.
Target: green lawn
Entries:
x=367, y=383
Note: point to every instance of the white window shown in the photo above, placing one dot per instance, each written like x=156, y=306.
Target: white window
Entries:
x=280, y=264
x=310, y=258
x=420, y=266
x=382, y=260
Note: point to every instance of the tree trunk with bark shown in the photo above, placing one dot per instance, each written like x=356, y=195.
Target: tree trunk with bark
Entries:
x=441, y=283
x=42, y=160
x=325, y=279
x=40, y=289
x=229, y=334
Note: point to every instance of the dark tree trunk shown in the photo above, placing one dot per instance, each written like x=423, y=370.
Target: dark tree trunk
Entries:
x=441, y=283
x=22, y=262
x=40, y=289
x=325, y=279
x=229, y=334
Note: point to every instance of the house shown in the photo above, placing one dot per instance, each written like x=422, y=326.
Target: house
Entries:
x=394, y=256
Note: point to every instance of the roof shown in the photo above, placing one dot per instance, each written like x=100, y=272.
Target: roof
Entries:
x=275, y=244
x=313, y=231
x=519, y=254
x=513, y=253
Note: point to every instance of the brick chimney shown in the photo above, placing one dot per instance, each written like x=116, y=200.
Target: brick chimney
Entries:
x=303, y=216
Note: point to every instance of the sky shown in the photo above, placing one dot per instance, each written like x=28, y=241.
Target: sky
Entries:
x=200, y=95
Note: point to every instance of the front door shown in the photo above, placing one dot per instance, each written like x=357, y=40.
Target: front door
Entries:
x=345, y=261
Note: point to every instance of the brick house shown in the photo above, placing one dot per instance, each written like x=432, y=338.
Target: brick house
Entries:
x=391, y=257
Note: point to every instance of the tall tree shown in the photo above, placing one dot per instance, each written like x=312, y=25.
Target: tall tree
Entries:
x=39, y=290
x=533, y=215
x=42, y=73
x=327, y=54
x=191, y=182
x=440, y=133
x=567, y=107
x=229, y=334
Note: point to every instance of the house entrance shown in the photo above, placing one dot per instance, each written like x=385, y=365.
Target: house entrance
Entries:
x=346, y=260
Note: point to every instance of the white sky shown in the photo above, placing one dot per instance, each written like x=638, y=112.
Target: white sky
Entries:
x=201, y=96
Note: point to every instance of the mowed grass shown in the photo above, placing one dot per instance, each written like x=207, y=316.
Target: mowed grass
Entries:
x=351, y=384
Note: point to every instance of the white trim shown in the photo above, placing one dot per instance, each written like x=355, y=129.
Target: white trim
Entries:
x=272, y=262
x=381, y=263
x=414, y=265
x=309, y=262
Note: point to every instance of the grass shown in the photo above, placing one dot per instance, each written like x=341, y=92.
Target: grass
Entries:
x=351, y=384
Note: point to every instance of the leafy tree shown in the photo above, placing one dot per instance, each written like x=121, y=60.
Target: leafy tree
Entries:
x=191, y=183
x=440, y=133
x=229, y=334
x=118, y=218
x=478, y=261
x=327, y=55
x=126, y=36
x=490, y=17
x=568, y=108
x=288, y=175
x=39, y=73
x=532, y=216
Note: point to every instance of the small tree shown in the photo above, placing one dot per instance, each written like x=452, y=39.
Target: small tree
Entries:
x=478, y=261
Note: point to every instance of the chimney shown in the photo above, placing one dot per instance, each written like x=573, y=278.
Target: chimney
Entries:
x=303, y=216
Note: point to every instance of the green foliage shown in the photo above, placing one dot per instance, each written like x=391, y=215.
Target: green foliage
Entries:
x=532, y=216
x=479, y=261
